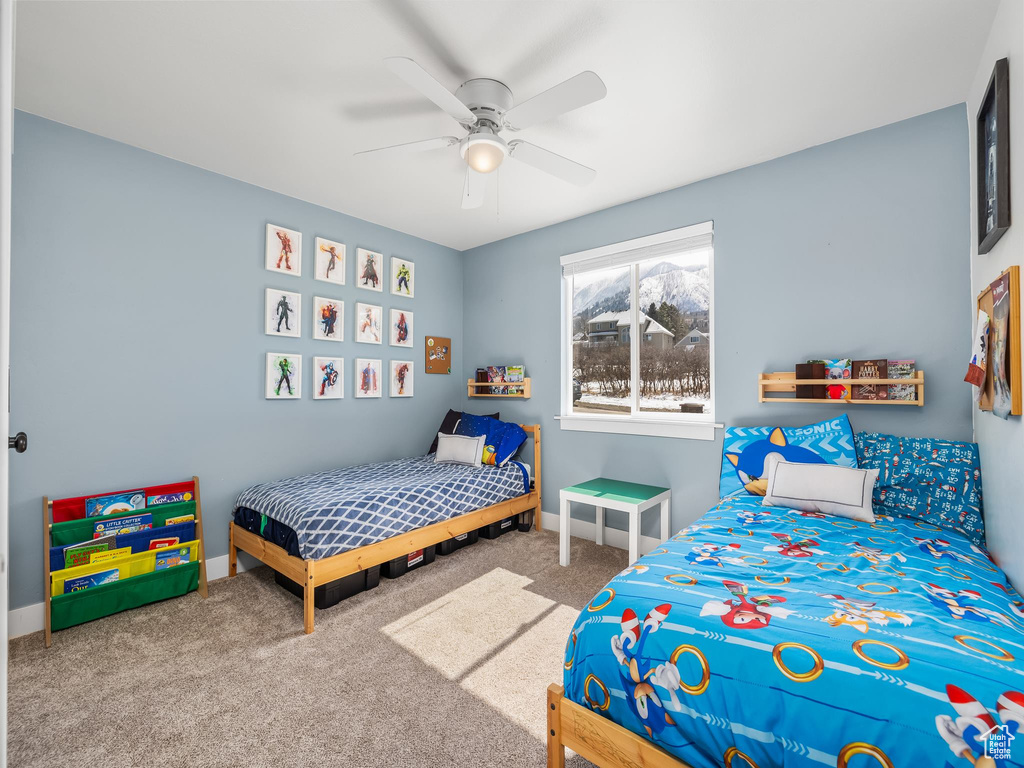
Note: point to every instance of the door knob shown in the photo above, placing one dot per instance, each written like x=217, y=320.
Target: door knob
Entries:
x=19, y=442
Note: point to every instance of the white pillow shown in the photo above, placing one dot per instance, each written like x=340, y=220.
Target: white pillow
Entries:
x=825, y=488
x=459, y=449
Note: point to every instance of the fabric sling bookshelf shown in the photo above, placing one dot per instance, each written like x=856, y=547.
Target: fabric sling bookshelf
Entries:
x=144, y=575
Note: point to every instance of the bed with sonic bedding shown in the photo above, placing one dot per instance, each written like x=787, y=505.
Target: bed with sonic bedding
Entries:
x=765, y=635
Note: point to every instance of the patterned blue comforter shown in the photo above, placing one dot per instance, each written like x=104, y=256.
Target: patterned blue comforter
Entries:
x=763, y=636
x=342, y=509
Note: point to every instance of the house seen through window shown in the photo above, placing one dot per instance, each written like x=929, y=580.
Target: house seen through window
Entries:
x=662, y=371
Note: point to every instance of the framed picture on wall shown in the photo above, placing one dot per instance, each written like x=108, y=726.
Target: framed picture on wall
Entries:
x=328, y=319
x=328, y=378
x=401, y=378
x=369, y=270
x=403, y=277
x=368, y=323
x=401, y=328
x=329, y=261
x=284, y=250
x=368, y=381
x=284, y=376
x=281, y=313
x=993, y=138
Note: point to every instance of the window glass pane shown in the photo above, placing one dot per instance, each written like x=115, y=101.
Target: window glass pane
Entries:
x=675, y=371
x=600, y=341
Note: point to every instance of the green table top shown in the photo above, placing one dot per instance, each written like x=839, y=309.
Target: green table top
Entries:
x=616, y=490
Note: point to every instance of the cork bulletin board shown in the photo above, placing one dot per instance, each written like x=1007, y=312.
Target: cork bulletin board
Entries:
x=1003, y=296
x=437, y=354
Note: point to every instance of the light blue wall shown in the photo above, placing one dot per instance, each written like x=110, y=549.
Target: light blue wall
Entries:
x=137, y=335
x=855, y=248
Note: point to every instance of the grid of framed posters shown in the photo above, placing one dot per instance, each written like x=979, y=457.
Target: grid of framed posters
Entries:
x=284, y=376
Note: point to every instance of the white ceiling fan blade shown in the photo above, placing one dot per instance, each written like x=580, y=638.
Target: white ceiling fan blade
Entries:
x=416, y=146
x=474, y=188
x=416, y=76
x=576, y=92
x=549, y=162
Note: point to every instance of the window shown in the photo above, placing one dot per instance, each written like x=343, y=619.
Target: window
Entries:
x=659, y=380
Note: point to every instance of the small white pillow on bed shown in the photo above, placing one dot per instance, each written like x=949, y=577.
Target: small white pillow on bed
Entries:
x=826, y=488
x=458, y=449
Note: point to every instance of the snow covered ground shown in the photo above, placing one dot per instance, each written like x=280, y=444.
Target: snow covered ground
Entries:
x=664, y=402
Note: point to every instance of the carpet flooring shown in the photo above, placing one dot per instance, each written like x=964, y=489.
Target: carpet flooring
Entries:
x=446, y=666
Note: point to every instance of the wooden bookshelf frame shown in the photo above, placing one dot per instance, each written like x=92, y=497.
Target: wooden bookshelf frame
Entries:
x=786, y=381
x=48, y=524
x=598, y=739
x=313, y=573
x=523, y=394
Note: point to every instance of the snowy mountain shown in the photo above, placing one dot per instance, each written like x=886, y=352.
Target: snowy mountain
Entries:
x=685, y=287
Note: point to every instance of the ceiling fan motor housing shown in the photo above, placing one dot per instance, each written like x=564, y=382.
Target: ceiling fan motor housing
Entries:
x=486, y=98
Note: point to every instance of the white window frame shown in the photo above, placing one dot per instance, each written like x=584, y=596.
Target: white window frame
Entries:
x=687, y=426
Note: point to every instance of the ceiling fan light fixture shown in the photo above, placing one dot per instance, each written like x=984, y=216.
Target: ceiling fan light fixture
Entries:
x=483, y=151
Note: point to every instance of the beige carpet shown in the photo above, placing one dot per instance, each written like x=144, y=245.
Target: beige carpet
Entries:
x=446, y=666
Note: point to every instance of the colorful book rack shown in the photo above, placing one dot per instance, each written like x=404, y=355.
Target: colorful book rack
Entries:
x=139, y=575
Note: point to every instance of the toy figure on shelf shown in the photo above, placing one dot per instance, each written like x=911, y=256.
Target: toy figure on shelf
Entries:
x=285, y=365
x=286, y=250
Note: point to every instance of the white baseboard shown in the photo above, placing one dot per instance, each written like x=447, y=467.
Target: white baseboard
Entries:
x=613, y=537
x=30, y=618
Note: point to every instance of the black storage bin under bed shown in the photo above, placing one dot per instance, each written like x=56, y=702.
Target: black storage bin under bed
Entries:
x=499, y=527
x=400, y=566
x=327, y=595
x=458, y=542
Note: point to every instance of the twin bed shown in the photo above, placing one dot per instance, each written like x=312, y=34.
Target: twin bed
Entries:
x=316, y=529
x=763, y=636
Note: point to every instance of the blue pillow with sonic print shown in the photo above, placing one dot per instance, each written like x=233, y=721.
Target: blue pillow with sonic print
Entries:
x=936, y=481
x=746, y=450
x=503, y=437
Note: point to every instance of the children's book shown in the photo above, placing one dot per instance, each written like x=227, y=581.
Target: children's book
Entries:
x=902, y=369
x=78, y=554
x=870, y=369
x=172, y=557
x=110, y=554
x=179, y=519
x=115, y=503
x=79, y=583
x=169, y=498
x=514, y=373
x=170, y=541
x=121, y=525
x=496, y=373
x=841, y=370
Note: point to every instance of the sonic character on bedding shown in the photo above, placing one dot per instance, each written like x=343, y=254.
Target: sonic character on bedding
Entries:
x=747, y=450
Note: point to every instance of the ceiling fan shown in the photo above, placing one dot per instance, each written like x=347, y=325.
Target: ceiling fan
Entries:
x=484, y=108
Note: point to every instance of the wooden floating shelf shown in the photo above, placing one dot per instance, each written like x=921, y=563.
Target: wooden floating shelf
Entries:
x=786, y=382
x=522, y=394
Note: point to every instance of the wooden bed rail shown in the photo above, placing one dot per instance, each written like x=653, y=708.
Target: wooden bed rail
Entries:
x=312, y=573
x=598, y=739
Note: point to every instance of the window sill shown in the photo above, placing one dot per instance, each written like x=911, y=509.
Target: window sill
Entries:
x=622, y=425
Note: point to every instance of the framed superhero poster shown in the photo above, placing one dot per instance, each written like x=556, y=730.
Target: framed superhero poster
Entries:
x=1001, y=391
x=437, y=355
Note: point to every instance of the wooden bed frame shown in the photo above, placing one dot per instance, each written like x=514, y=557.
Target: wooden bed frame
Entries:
x=599, y=740
x=313, y=573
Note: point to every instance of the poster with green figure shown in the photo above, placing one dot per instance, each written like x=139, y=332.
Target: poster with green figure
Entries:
x=284, y=376
x=403, y=277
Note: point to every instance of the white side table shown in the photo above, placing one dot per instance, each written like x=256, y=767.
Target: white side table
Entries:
x=632, y=498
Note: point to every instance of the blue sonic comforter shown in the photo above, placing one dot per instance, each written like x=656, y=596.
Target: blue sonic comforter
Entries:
x=763, y=636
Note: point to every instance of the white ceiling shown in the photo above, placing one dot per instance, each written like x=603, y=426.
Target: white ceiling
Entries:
x=281, y=94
